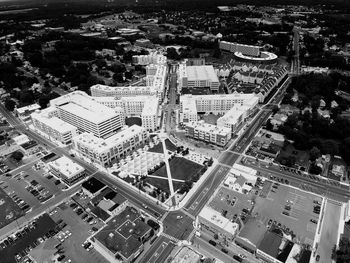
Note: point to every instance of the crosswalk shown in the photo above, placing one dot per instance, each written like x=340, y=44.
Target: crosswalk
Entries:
x=175, y=240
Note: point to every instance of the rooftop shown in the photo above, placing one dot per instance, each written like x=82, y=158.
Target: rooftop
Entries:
x=66, y=167
x=201, y=73
x=217, y=219
x=53, y=122
x=122, y=233
x=206, y=127
x=93, y=185
x=270, y=244
x=31, y=107
x=253, y=231
x=102, y=145
x=84, y=106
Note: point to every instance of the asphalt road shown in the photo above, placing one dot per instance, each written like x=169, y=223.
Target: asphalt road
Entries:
x=159, y=251
x=330, y=191
x=204, y=192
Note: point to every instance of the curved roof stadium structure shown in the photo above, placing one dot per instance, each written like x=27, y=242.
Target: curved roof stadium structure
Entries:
x=265, y=57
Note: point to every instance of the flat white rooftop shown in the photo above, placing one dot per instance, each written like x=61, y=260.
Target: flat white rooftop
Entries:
x=217, y=219
x=201, y=73
x=66, y=167
x=80, y=104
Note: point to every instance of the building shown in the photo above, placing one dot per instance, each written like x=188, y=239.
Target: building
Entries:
x=235, y=107
x=214, y=222
x=250, y=50
x=111, y=202
x=92, y=187
x=146, y=107
x=233, y=118
x=146, y=43
x=155, y=80
x=83, y=112
x=207, y=132
x=69, y=171
x=104, y=151
x=152, y=58
x=56, y=129
x=122, y=239
x=197, y=76
x=251, y=235
x=274, y=248
x=248, y=53
x=27, y=110
x=187, y=255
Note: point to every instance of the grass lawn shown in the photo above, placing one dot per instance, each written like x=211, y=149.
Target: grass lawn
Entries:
x=9, y=210
x=133, y=120
x=163, y=184
x=180, y=168
x=170, y=146
x=210, y=118
x=158, y=148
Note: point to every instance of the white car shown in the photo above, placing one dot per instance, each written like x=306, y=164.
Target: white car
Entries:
x=242, y=256
x=68, y=233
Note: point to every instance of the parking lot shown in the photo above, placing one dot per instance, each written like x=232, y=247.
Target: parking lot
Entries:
x=290, y=208
x=17, y=246
x=80, y=230
x=30, y=185
x=231, y=203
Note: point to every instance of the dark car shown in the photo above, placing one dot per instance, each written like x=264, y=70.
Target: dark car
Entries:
x=224, y=250
x=212, y=242
x=60, y=258
x=236, y=257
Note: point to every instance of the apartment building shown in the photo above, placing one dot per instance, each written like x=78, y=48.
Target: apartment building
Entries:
x=155, y=85
x=209, y=133
x=248, y=50
x=104, y=151
x=234, y=107
x=82, y=111
x=197, y=76
x=47, y=122
x=146, y=107
x=152, y=58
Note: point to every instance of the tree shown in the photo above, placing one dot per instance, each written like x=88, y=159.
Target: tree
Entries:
x=314, y=154
x=172, y=53
x=118, y=77
x=10, y=104
x=17, y=155
x=275, y=109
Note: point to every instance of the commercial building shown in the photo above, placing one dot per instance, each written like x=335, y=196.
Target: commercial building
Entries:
x=104, y=151
x=56, y=129
x=122, y=239
x=187, y=255
x=108, y=202
x=27, y=110
x=69, y=171
x=83, y=112
x=208, y=132
x=197, y=76
x=251, y=235
x=146, y=107
x=214, y=222
x=92, y=187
